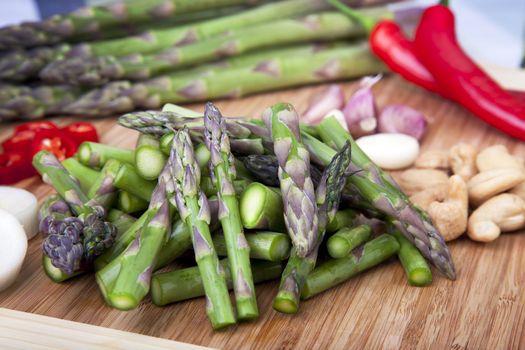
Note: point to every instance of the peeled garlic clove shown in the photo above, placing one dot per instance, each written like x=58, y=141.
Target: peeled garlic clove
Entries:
x=402, y=119
x=23, y=205
x=331, y=98
x=390, y=151
x=339, y=116
x=12, y=250
x=361, y=110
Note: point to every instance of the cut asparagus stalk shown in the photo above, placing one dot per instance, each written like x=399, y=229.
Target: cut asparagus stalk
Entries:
x=381, y=190
x=84, y=174
x=56, y=274
x=416, y=268
x=334, y=272
x=130, y=203
x=193, y=208
x=261, y=208
x=178, y=285
x=341, y=243
x=223, y=173
x=178, y=242
x=149, y=159
x=121, y=220
x=103, y=190
x=264, y=245
x=343, y=218
x=128, y=180
x=95, y=155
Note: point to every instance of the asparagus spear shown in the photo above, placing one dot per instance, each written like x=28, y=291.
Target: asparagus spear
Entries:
x=222, y=173
x=381, y=190
x=98, y=18
x=85, y=175
x=328, y=195
x=261, y=207
x=149, y=159
x=183, y=284
x=341, y=243
x=343, y=218
x=297, y=188
x=130, y=203
x=99, y=70
x=264, y=245
x=415, y=266
x=334, y=272
x=95, y=155
x=121, y=220
x=103, y=190
x=193, y=209
x=128, y=180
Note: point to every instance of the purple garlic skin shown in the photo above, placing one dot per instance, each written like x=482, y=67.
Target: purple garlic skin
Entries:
x=403, y=120
x=331, y=98
x=361, y=109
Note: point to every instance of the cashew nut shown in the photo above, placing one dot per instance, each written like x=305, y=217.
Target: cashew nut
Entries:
x=489, y=183
x=462, y=160
x=416, y=180
x=424, y=198
x=496, y=157
x=502, y=213
x=433, y=160
x=451, y=215
x=519, y=190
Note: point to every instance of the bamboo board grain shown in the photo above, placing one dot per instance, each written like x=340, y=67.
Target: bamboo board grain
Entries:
x=483, y=309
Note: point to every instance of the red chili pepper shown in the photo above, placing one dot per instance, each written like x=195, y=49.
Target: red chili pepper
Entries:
x=81, y=132
x=15, y=166
x=456, y=72
x=54, y=141
x=36, y=126
x=20, y=141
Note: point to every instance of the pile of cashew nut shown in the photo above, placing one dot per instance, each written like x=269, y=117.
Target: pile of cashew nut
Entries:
x=463, y=190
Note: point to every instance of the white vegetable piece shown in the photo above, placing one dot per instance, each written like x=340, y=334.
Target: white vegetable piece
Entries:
x=390, y=151
x=23, y=205
x=12, y=250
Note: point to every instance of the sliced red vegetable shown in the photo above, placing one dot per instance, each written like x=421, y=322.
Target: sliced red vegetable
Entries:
x=56, y=142
x=20, y=141
x=15, y=166
x=437, y=47
x=36, y=126
x=81, y=132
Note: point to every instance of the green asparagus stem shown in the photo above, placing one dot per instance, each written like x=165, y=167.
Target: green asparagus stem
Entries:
x=343, y=218
x=178, y=285
x=297, y=269
x=334, y=272
x=95, y=155
x=264, y=245
x=121, y=220
x=261, y=208
x=56, y=274
x=223, y=173
x=193, y=208
x=103, y=190
x=297, y=188
x=138, y=260
x=341, y=243
x=128, y=180
x=95, y=19
x=416, y=267
x=84, y=174
x=178, y=242
x=130, y=203
x=149, y=159
x=381, y=190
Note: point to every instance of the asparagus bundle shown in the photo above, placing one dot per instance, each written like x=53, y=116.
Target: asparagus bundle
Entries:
x=99, y=70
x=97, y=19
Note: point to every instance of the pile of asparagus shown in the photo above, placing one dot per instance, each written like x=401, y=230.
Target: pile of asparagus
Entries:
x=274, y=197
x=84, y=63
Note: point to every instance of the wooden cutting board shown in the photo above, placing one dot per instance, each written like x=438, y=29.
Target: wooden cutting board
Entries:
x=483, y=309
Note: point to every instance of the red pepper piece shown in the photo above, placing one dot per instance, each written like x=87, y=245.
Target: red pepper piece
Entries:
x=54, y=141
x=36, y=126
x=21, y=141
x=15, y=166
x=81, y=132
x=437, y=47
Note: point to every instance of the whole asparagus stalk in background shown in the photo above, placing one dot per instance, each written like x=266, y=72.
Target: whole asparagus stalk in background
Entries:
x=102, y=69
x=223, y=173
x=296, y=66
x=193, y=208
x=297, y=188
x=328, y=195
x=74, y=240
x=95, y=19
x=381, y=190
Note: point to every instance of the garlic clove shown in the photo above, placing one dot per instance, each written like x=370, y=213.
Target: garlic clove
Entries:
x=361, y=110
x=402, y=119
x=331, y=98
